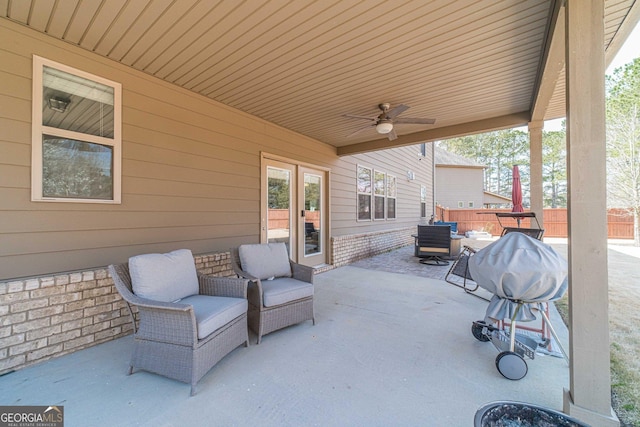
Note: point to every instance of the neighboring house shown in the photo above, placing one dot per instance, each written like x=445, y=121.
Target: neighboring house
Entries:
x=460, y=183
x=496, y=201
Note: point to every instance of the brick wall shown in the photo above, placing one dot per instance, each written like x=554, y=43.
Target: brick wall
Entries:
x=45, y=317
x=50, y=316
x=347, y=249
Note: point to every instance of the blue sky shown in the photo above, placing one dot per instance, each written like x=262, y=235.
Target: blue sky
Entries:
x=629, y=51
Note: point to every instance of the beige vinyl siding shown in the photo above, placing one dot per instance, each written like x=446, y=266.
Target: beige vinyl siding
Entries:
x=395, y=162
x=191, y=172
x=459, y=184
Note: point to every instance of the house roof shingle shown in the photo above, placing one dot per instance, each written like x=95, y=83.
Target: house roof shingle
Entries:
x=445, y=158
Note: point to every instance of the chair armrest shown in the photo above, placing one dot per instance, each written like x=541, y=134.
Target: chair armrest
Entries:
x=254, y=291
x=170, y=322
x=150, y=304
x=167, y=322
x=302, y=272
x=245, y=275
x=223, y=286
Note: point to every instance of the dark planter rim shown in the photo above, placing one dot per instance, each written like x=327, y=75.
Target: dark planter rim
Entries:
x=484, y=409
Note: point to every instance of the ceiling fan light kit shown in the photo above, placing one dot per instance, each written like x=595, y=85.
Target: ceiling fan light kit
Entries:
x=384, y=127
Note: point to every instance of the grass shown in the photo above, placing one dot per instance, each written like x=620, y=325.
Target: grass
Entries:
x=625, y=387
x=625, y=366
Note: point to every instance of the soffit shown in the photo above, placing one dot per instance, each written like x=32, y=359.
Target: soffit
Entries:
x=302, y=65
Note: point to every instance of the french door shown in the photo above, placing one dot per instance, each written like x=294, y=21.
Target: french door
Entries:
x=294, y=209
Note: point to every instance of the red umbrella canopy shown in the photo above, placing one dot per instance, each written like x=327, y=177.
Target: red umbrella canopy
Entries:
x=516, y=191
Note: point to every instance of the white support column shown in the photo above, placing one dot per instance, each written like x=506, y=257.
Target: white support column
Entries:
x=535, y=182
x=589, y=396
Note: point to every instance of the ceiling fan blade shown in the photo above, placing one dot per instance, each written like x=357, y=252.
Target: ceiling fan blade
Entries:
x=353, y=116
x=398, y=109
x=392, y=135
x=361, y=129
x=415, y=120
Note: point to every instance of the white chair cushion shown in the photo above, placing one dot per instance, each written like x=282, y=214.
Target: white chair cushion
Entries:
x=284, y=290
x=164, y=277
x=265, y=261
x=213, y=312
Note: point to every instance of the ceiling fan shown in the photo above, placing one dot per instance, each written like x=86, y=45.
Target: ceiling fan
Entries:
x=385, y=121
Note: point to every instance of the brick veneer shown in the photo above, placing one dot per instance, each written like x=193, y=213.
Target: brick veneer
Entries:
x=347, y=249
x=45, y=317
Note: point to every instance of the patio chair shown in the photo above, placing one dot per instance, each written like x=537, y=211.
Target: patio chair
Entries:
x=433, y=242
x=536, y=233
x=280, y=290
x=310, y=230
x=459, y=275
x=453, y=224
x=187, y=321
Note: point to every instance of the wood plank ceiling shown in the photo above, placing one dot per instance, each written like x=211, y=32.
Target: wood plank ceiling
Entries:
x=303, y=64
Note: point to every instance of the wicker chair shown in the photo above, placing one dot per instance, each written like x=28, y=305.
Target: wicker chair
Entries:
x=280, y=291
x=184, y=340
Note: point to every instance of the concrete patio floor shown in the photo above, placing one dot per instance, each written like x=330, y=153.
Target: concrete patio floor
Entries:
x=387, y=349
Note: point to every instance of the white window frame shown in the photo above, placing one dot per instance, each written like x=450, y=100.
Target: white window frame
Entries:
x=370, y=194
x=394, y=198
x=471, y=204
x=379, y=195
x=461, y=205
x=423, y=201
x=38, y=130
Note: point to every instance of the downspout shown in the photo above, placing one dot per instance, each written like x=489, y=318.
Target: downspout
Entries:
x=433, y=178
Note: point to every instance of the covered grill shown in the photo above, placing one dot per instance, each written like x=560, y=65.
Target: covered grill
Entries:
x=523, y=274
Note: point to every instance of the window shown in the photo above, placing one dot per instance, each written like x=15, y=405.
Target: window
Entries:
x=364, y=193
x=423, y=201
x=391, y=196
x=461, y=204
x=76, y=135
x=470, y=204
x=379, y=194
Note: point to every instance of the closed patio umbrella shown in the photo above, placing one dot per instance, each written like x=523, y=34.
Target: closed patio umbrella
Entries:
x=516, y=192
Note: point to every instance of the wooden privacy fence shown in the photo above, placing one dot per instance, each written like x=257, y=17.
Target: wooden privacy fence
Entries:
x=279, y=218
x=620, y=221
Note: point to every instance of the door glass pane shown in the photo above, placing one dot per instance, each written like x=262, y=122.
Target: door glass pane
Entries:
x=312, y=214
x=279, y=212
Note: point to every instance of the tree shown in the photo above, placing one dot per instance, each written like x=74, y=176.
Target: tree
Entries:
x=498, y=151
x=279, y=192
x=623, y=141
x=76, y=169
x=554, y=168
